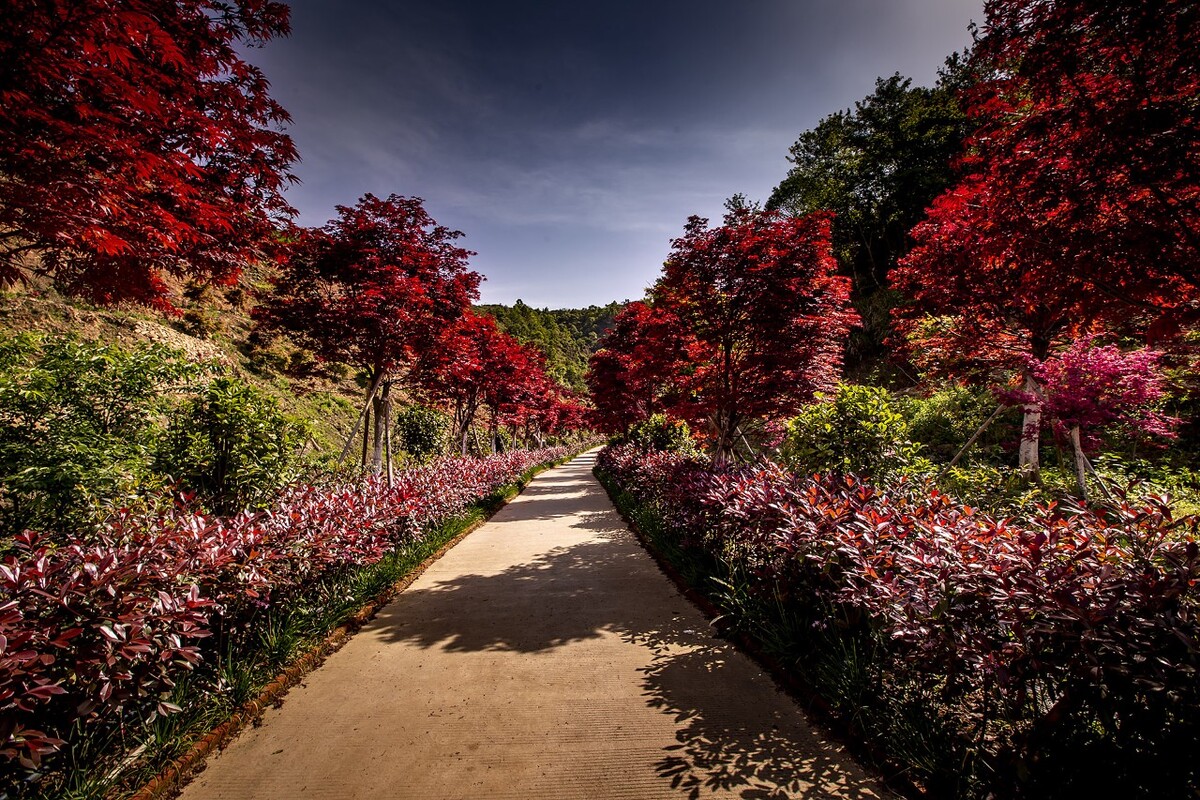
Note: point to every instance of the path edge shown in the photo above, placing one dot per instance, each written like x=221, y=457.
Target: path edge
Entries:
x=871, y=759
x=171, y=779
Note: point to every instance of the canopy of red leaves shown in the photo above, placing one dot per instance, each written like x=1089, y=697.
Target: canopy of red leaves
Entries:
x=1091, y=386
x=628, y=375
x=475, y=365
x=373, y=287
x=136, y=142
x=1080, y=198
x=760, y=313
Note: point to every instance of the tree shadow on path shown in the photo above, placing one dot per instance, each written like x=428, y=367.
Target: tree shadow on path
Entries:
x=735, y=734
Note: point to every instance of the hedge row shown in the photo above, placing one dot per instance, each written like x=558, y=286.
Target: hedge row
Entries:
x=103, y=630
x=1056, y=655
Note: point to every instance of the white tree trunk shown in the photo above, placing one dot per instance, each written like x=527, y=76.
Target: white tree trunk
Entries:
x=1031, y=429
x=1080, y=462
x=383, y=418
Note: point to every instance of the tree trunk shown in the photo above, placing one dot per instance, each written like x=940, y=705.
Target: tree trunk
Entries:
x=387, y=445
x=464, y=430
x=383, y=417
x=725, y=429
x=362, y=418
x=1031, y=429
x=746, y=443
x=1081, y=463
x=366, y=443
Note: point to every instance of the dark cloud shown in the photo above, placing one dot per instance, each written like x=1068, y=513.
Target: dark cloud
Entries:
x=570, y=141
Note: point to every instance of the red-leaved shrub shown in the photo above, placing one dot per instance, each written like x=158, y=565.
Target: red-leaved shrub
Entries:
x=1077, y=616
x=87, y=629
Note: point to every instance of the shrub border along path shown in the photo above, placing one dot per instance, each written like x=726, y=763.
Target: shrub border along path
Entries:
x=836, y=726
x=985, y=655
x=171, y=779
x=469, y=683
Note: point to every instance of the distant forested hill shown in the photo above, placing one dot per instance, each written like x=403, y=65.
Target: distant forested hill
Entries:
x=567, y=335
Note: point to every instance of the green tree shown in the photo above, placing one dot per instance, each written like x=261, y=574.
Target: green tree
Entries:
x=423, y=432
x=859, y=429
x=567, y=337
x=232, y=446
x=877, y=167
x=662, y=433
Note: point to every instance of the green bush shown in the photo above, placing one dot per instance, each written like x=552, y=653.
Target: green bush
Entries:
x=78, y=425
x=422, y=432
x=858, y=430
x=1006, y=490
x=232, y=446
x=661, y=433
x=944, y=421
x=1137, y=478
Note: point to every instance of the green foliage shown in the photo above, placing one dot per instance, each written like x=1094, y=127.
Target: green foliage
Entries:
x=859, y=430
x=77, y=427
x=1138, y=478
x=85, y=428
x=422, y=432
x=662, y=433
x=1006, y=491
x=567, y=337
x=943, y=422
x=231, y=445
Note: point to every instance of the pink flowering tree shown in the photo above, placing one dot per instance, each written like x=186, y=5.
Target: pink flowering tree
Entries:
x=1088, y=387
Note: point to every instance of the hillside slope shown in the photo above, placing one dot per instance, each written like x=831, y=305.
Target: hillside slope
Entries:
x=567, y=336
x=216, y=325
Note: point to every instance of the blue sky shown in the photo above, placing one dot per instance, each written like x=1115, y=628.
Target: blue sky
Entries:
x=570, y=141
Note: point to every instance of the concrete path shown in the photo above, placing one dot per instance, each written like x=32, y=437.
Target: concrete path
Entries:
x=543, y=657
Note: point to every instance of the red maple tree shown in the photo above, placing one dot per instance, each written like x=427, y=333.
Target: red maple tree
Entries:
x=1090, y=386
x=373, y=288
x=475, y=367
x=470, y=356
x=136, y=142
x=563, y=412
x=1079, y=205
x=1090, y=141
x=628, y=375
x=762, y=316
x=518, y=387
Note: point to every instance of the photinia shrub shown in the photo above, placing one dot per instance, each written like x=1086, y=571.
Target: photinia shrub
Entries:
x=92, y=631
x=1077, y=628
